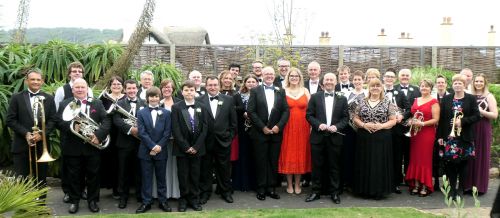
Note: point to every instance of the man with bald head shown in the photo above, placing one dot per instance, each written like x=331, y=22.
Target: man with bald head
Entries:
x=327, y=113
x=80, y=157
x=468, y=75
x=268, y=109
x=314, y=72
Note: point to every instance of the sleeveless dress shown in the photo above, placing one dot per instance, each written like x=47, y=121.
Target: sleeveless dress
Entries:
x=478, y=168
x=421, y=148
x=295, y=155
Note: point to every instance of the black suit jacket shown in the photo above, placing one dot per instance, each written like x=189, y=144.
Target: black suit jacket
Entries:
x=223, y=127
x=200, y=93
x=278, y=81
x=124, y=140
x=257, y=108
x=471, y=116
x=405, y=107
x=20, y=119
x=75, y=146
x=412, y=94
x=184, y=137
x=306, y=85
x=316, y=115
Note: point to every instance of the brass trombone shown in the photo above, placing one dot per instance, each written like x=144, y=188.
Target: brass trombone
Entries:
x=456, y=115
x=38, y=110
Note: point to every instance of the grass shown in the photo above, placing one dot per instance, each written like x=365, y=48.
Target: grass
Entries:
x=313, y=212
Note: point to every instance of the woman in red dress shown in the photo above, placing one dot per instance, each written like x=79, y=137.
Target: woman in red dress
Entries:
x=295, y=155
x=425, y=112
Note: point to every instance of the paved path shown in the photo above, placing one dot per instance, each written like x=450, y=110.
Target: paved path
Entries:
x=247, y=200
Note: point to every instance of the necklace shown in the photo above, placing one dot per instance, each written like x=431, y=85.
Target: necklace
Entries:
x=373, y=100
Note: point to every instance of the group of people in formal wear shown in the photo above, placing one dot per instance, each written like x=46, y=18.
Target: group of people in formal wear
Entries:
x=355, y=131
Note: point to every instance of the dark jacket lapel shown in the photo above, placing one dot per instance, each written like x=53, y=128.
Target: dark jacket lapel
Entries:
x=26, y=98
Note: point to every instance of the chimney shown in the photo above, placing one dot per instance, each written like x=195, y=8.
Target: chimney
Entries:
x=446, y=29
x=491, y=36
x=402, y=35
x=324, y=39
x=381, y=37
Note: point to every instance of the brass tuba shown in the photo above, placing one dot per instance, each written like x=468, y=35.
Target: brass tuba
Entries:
x=456, y=115
x=418, y=116
x=86, y=125
x=38, y=109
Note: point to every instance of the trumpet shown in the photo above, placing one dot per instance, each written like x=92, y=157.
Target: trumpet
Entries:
x=38, y=110
x=417, y=117
x=456, y=115
x=87, y=126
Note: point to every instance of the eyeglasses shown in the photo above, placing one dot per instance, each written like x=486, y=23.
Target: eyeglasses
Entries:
x=77, y=71
x=294, y=76
x=284, y=66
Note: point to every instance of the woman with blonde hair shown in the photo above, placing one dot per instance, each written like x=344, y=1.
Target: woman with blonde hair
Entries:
x=478, y=168
x=295, y=155
x=374, y=116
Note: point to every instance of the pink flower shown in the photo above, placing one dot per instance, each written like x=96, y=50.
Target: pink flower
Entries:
x=93, y=111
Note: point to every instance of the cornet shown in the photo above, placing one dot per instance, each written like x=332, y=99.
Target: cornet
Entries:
x=129, y=120
x=417, y=117
x=456, y=115
x=38, y=109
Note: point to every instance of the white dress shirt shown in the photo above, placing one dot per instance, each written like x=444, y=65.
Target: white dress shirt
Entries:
x=269, y=99
x=313, y=87
x=329, y=109
x=213, y=105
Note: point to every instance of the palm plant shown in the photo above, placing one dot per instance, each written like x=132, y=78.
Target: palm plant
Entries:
x=54, y=57
x=161, y=71
x=21, y=196
x=99, y=58
x=419, y=73
x=5, y=138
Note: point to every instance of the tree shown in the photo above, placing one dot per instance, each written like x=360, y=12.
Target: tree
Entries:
x=120, y=68
x=22, y=21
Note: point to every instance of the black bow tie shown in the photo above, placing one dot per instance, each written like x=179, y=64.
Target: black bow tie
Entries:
x=34, y=94
x=215, y=97
x=268, y=87
x=404, y=87
x=190, y=106
x=328, y=94
x=80, y=102
x=345, y=86
x=389, y=90
x=153, y=108
x=132, y=101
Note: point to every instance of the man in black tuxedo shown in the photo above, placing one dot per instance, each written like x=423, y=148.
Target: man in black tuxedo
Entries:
x=283, y=68
x=222, y=124
x=344, y=84
x=147, y=80
x=401, y=143
x=190, y=131
x=127, y=143
x=313, y=84
x=257, y=70
x=80, y=157
x=21, y=119
x=328, y=115
x=269, y=112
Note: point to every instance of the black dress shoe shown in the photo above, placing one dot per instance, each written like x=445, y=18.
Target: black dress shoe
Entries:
x=66, y=198
x=182, y=206
x=123, y=203
x=164, y=206
x=312, y=197
x=204, y=198
x=93, y=207
x=273, y=195
x=335, y=198
x=84, y=195
x=73, y=208
x=261, y=196
x=227, y=197
x=143, y=208
x=196, y=206
x=397, y=190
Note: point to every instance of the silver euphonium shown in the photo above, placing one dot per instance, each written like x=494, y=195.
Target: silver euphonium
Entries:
x=86, y=125
x=129, y=120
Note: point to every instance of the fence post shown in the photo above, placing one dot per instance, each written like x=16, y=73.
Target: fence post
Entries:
x=422, y=56
x=341, y=55
x=257, y=52
x=172, y=54
x=434, y=56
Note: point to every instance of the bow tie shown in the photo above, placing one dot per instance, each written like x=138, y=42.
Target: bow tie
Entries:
x=314, y=82
x=404, y=87
x=132, y=101
x=153, y=108
x=34, y=94
x=268, y=87
x=328, y=94
x=345, y=86
x=190, y=106
x=389, y=90
x=259, y=79
x=214, y=98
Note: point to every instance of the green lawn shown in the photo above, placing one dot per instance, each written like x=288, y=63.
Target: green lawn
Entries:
x=315, y=212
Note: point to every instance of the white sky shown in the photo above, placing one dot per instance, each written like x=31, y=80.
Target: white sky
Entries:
x=351, y=22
